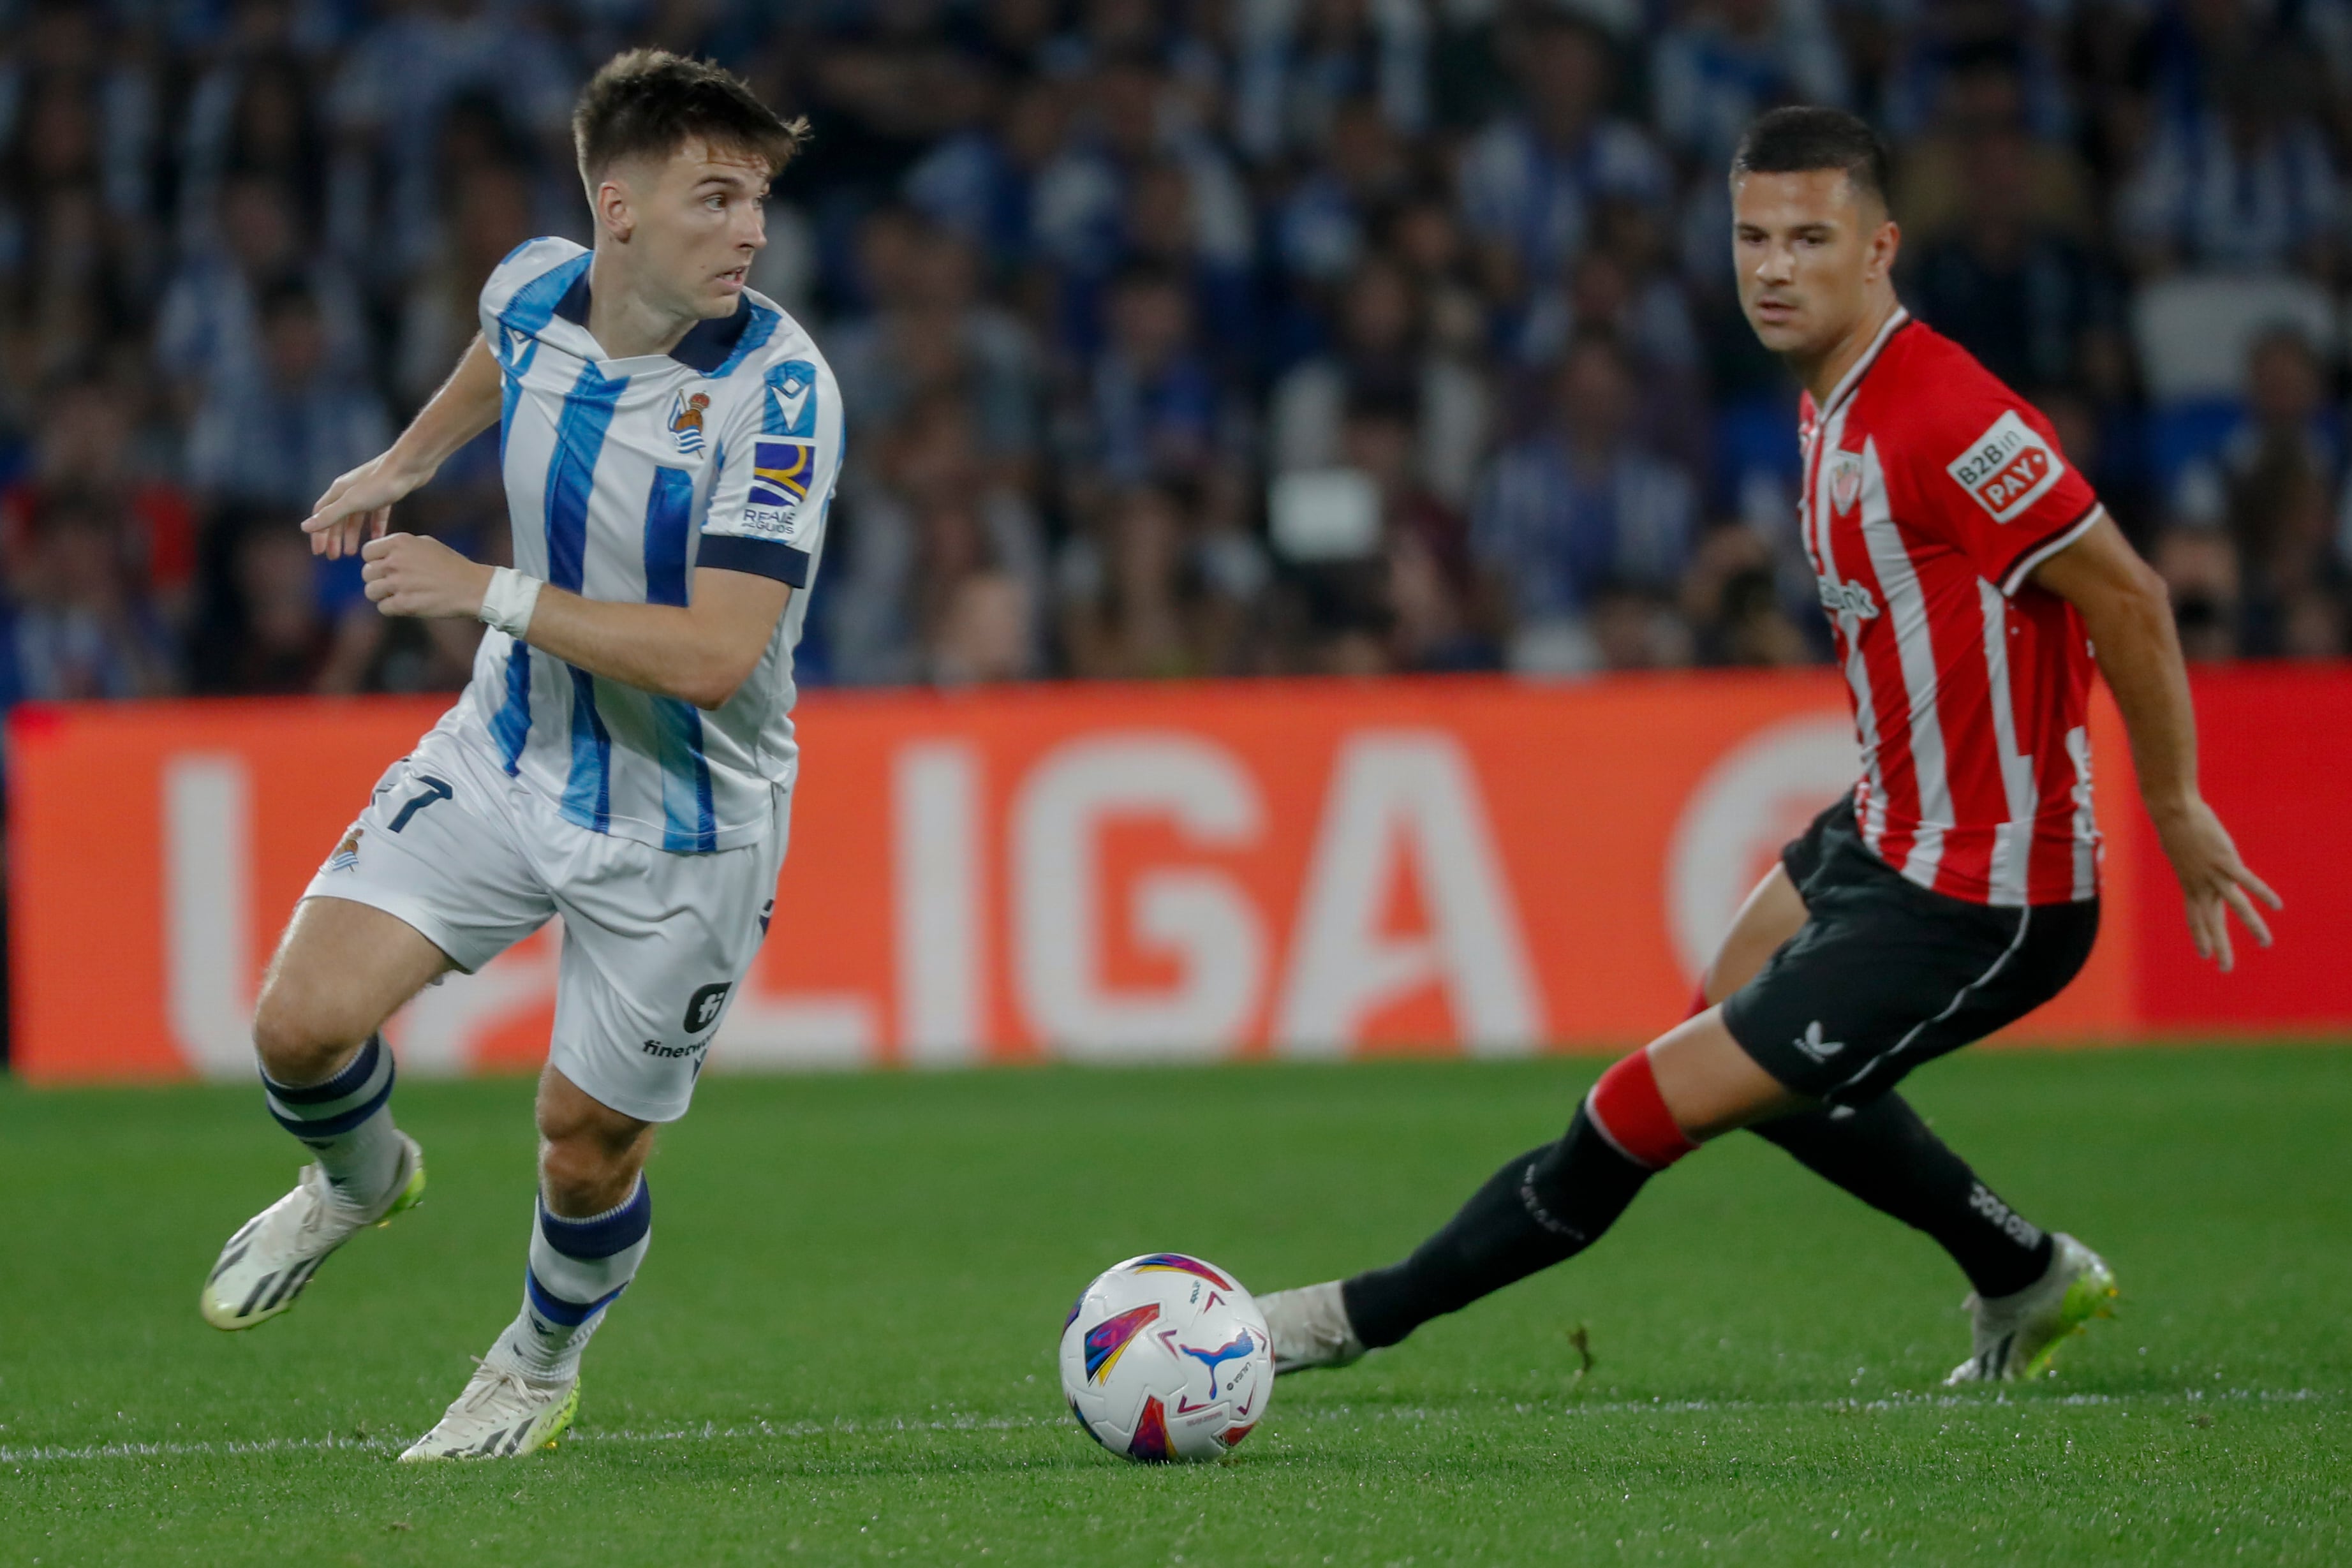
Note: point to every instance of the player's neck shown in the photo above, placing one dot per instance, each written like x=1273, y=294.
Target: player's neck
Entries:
x=623, y=321
x=1820, y=374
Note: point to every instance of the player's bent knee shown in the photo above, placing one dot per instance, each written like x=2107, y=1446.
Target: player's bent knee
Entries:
x=567, y=1114
x=301, y=1035
x=1628, y=1110
x=584, y=1174
x=589, y=1153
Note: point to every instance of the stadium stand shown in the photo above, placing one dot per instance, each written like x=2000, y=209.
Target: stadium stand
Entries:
x=1098, y=276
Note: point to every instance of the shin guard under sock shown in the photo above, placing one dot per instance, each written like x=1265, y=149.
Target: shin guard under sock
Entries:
x=1886, y=1155
x=1542, y=1208
x=346, y=1122
x=577, y=1267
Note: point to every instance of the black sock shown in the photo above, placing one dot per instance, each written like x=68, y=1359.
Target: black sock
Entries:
x=1885, y=1155
x=1545, y=1206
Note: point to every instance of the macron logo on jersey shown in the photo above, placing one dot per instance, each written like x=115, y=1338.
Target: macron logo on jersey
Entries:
x=792, y=396
x=2008, y=468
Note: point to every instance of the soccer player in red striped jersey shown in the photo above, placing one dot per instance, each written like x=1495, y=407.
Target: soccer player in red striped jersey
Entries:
x=1972, y=580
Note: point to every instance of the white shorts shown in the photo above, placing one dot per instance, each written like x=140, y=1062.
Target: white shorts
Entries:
x=654, y=943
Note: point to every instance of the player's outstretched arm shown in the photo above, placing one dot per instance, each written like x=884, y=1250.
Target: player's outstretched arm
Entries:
x=699, y=652
x=359, y=505
x=2124, y=605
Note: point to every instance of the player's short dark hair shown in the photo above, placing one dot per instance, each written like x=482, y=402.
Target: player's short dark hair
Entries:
x=650, y=102
x=1802, y=138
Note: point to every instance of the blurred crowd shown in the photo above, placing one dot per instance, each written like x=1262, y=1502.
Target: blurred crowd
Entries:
x=1179, y=337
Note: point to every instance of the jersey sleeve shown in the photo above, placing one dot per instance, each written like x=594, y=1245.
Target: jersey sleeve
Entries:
x=521, y=291
x=1994, y=484
x=780, y=458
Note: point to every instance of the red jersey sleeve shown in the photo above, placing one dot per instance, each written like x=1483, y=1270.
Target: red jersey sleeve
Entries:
x=1993, y=483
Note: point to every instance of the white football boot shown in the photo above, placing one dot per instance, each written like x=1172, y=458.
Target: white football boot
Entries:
x=2017, y=1334
x=501, y=1414
x=269, y=1261
x=1309, y=1328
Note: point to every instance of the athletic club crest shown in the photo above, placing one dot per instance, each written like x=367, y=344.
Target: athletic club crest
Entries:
x=685, y=421
x=1845, y=480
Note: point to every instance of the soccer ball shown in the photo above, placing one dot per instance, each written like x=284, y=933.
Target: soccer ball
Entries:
x=1166, y=1357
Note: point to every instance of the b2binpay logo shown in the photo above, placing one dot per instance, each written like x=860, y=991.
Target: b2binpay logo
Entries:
x=2008, y=468
x=703, y=1007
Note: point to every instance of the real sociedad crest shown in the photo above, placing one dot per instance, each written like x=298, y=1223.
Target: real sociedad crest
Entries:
x=1845, y=480
x=685, y=421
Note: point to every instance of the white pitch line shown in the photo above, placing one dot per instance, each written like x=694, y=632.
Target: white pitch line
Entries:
x=708, y=1431
x=2001, y=1399
x=181, y=1450
x=712, y=1431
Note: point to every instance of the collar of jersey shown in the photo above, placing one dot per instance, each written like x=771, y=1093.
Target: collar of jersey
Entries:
x=705, y=346
x=1846, y=384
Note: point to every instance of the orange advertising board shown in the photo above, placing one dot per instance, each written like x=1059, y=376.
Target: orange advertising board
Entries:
x=1093, y=873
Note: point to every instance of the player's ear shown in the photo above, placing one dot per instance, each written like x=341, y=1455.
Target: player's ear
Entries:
x=615, y=213
x=1884, y=246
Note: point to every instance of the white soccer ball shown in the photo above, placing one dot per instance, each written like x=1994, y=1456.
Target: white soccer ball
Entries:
x=1166, y=1357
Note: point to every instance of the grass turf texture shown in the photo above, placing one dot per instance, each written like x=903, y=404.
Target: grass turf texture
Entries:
x=842, y=1347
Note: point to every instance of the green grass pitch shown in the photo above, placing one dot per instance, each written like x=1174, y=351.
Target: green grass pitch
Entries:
x=842, y=1347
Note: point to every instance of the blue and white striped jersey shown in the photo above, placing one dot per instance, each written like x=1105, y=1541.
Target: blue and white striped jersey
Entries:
x=621, y=476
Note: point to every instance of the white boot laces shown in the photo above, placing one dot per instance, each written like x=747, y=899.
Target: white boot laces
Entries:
x=484, y=1390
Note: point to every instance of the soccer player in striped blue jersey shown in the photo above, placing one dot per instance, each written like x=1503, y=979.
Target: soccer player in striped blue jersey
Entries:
x=625, y=755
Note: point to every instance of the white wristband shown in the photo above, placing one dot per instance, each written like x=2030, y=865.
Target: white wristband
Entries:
x=508, y=601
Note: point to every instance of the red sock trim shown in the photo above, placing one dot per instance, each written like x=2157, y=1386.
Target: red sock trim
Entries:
x=1627, y=1107
x=1698, y=1002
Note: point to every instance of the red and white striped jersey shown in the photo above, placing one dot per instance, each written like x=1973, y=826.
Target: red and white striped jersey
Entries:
x=1931, y=491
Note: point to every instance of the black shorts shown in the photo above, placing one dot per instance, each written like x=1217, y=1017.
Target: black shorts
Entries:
x=1884, y=975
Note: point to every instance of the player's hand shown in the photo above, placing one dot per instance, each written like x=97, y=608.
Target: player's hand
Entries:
x=2214, y=883
x=408, y=574
x=358, y=506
